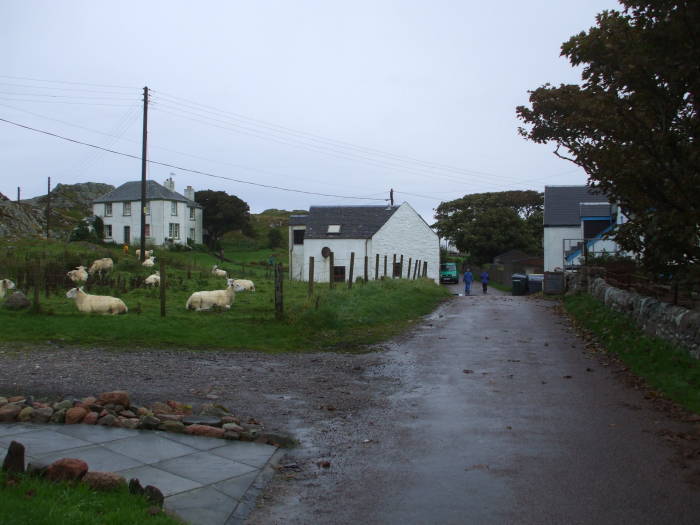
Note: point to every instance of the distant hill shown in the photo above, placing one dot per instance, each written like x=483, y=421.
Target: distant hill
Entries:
x=69, y=204
x=262, y=224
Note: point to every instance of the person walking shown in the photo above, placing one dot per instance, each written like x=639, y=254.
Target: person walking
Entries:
x=485, y=281
x=468, y=278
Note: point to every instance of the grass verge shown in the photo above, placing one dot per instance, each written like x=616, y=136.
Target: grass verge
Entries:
x=663, y=365
x=25, y=500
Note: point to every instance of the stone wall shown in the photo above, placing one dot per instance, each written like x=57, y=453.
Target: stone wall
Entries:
x=672, y=323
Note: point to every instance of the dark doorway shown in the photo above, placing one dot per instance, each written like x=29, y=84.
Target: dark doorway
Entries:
x=339, y=274
x=127, y=234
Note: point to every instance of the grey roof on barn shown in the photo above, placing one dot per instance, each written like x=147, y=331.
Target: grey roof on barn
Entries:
x=356, y=222
x=596, y=210
x=297, y=220
x=131, y=191
x=562, y=204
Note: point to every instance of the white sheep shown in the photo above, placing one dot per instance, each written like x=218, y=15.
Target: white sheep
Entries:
x=96, y=304
x=219, y=272
x=153, y=279
x=147, y=252
x=79, y=275
x=207, y=300
x=242, y=285
x=5, y=284
x=149, y=263
x=101, y=265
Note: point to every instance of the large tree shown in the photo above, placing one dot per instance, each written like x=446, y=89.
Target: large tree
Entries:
x=632, y=123
x=223, y=213
x=487, y=224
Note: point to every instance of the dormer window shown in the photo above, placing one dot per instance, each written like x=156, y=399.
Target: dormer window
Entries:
x=334, y=228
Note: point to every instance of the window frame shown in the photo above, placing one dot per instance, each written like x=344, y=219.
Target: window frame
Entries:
x=108, y=209
x=192, y=213
x=126, y=209
x=173, y=208
x=108, y=231
x=298, y=233
x=174, y=227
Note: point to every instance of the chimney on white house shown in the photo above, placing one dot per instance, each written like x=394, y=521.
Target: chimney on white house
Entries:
x=169, y=183
x=189, y=193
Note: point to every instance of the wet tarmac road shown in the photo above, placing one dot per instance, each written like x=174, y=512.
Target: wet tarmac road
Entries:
x=500, y=417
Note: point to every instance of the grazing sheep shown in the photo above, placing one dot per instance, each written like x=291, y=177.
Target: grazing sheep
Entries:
x=5, y=284
x=149, y=263
x=207, y=300
x=242, y=285
x=147, y=252
x=219, y=272
x=153, y=279
x=101, y=265
x=96, y=304
x=79, y=275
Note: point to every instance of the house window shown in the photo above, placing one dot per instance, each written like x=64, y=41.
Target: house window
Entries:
x=192, y=234
x=192, y=217
x=334, y=228
x=173, y=208
x=298, y=236
x=147, y=229
x=127, y=208
x=108, y=210
x=339, y=274
x=174, y=230
x=108, y=231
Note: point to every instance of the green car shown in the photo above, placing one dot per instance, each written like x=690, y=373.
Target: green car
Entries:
x=448, y=273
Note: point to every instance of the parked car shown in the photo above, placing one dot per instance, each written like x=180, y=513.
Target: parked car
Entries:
x=448, y=273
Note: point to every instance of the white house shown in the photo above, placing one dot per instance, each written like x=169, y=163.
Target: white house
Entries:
x=575, y=221
x=170, y=216
x=394, y=233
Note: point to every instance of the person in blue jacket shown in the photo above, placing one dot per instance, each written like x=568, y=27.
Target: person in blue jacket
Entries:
x=485, y=281
x=468, y=279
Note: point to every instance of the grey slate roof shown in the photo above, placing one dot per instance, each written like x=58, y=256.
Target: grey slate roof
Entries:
x=131, y=191
x=356, y=222
x=562, y=204
x=596, y=210
x=297, y=220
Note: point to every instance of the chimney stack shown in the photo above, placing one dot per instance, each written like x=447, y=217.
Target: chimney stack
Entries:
x=189, y=193
x=169, y=183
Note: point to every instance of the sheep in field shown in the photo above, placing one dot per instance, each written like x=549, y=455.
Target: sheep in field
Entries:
x=207, y=300
x=147, y=252
x=79, y=275
x=219, y=272
x=101, y=265
x=242, y=285
x=5, y=284
x=149, y=263
x=96, y=304
x=153, y=279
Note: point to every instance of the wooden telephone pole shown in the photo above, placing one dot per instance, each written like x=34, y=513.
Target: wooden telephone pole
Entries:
x=143, y=174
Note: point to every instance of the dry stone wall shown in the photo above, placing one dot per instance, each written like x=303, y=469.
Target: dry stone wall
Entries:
x=672, y=323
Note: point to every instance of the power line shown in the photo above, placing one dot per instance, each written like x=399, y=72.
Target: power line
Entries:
x=198, y=172
x=68, y=82
x=66, y=102
x=60, y=88
x=63, y=96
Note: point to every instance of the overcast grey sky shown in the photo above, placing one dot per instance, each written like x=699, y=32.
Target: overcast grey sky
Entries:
x=421, y=95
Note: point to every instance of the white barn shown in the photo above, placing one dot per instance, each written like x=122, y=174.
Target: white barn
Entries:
x=170, y=216
x=392, y=232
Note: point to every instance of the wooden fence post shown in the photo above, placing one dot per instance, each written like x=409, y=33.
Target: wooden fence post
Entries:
x=408, y=268
x=366, y=269
x=36, y=307
x=331, y=264
x=161, y=287
x=415, y=270
x=385, y=259
x=425, y=268
x=352, y=268
x=279, y=306
x=376, y=268
x=311, y=276
x=401, y=267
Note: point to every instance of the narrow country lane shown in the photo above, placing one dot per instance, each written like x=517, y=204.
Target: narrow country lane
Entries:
x=500, y=417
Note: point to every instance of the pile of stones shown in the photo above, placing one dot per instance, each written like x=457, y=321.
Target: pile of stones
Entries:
x=114, y=409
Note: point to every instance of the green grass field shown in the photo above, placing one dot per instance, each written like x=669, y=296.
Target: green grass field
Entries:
x=25, y=500
x=664, y=366
x=337, y=318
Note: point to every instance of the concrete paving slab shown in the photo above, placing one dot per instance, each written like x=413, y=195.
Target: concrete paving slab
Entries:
x=167, y=482
x=237, y=487
x=149, y=447
x=205, y=505
x=39, y=442
x=254, y=454
x=94, y=433
x=7, y=429
x=198, y=442
x=96, y=456
x=204, y=467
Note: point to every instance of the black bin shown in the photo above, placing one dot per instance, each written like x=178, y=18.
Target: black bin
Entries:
x=535, y=282
x=519, y=284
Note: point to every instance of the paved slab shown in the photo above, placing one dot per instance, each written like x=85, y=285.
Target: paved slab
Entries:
x=205, y=481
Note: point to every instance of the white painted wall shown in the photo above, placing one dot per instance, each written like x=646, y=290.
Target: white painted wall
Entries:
x=297, y=259
x=159, y=218
x=553, y=244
